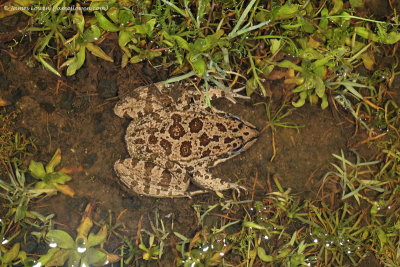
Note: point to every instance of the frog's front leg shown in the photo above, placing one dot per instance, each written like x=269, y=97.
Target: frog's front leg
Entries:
x=150, y=179
x=203, y=178
x=145, y=100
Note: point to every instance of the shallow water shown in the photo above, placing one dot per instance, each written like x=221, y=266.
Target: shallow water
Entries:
x=75, y=114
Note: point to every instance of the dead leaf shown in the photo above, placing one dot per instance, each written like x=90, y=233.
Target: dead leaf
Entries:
x=72, y=169
x=4, y=102
x=65, y=189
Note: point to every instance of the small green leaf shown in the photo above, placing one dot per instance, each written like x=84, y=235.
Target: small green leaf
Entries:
x=47, y=65
x=251, y=86
x=337, y=7
x=136, y=59
x=43, y=185
x=74, y=258
x=383, y=239
x=96, y=256
x=146, y=28
x=290, y=65
x=319, y=87
x=182, y=43
x=392, y=38
x=263, y=256
x=199, y=65
x=301, y=101
x=92, y=34
x=366, y=34
x=124, y=37
x=253, y=225
x=287, y=11
x=58, y=178
x=324, y=103
x=356, y=3
x=307, y=26
x=48, y=256
x=104, y=23
x=21, y=210
x=98, y=52
x=36, y=169
x=61, y=238
x=113, y=14
x=284, y=253
x=78, y=61
x=275, y=45
x=59, y=258
x=324, y=21
x=78, y=19
x=97, y=239
x=11, y=254
x=125, y=16
x=55, y=160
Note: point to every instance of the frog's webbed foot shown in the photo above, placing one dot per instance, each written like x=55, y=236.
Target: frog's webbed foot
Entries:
x=204, y=179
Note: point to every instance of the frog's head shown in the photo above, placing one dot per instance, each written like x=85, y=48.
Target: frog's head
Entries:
x=242, y=136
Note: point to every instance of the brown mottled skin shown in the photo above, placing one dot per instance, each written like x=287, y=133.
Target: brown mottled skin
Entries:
x=171, y=143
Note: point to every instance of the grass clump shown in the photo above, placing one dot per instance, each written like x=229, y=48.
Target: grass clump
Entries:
x=316, y=45
x=13, y=145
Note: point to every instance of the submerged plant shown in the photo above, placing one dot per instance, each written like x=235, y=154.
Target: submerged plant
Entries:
x=18, y=195
x=355, y=178
x=13, y=145
x=82, y=251
x=49, y=178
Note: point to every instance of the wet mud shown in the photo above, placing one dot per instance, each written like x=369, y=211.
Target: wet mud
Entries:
x=75, y=114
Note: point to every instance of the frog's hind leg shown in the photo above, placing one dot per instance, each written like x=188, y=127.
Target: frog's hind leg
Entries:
x=203, y=178
x=150, y=179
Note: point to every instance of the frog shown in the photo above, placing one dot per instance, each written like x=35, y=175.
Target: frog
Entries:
x=175, y=140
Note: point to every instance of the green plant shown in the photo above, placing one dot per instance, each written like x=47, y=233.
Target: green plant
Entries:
x=13, y=256
x=13, y=145
x=204, y=249
x=49, y=179
x=18, y=195
x=355, y=178
x=81, y=251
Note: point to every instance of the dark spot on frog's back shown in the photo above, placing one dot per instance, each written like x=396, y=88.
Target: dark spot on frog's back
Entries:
x=204, y=139
x=176, y=131
x=206, y=153
x=176, y=118
x=221, y=127
x=166, y=178
x=186, y=149
x=152, y=139
x=166, y=146
x=139, y=141
x=195, y=125
x=227, y=140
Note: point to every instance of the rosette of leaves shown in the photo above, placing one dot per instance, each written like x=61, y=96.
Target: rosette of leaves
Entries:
x=132, y=32
x=82, y=251
x=84, y=39
x=49, y=178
